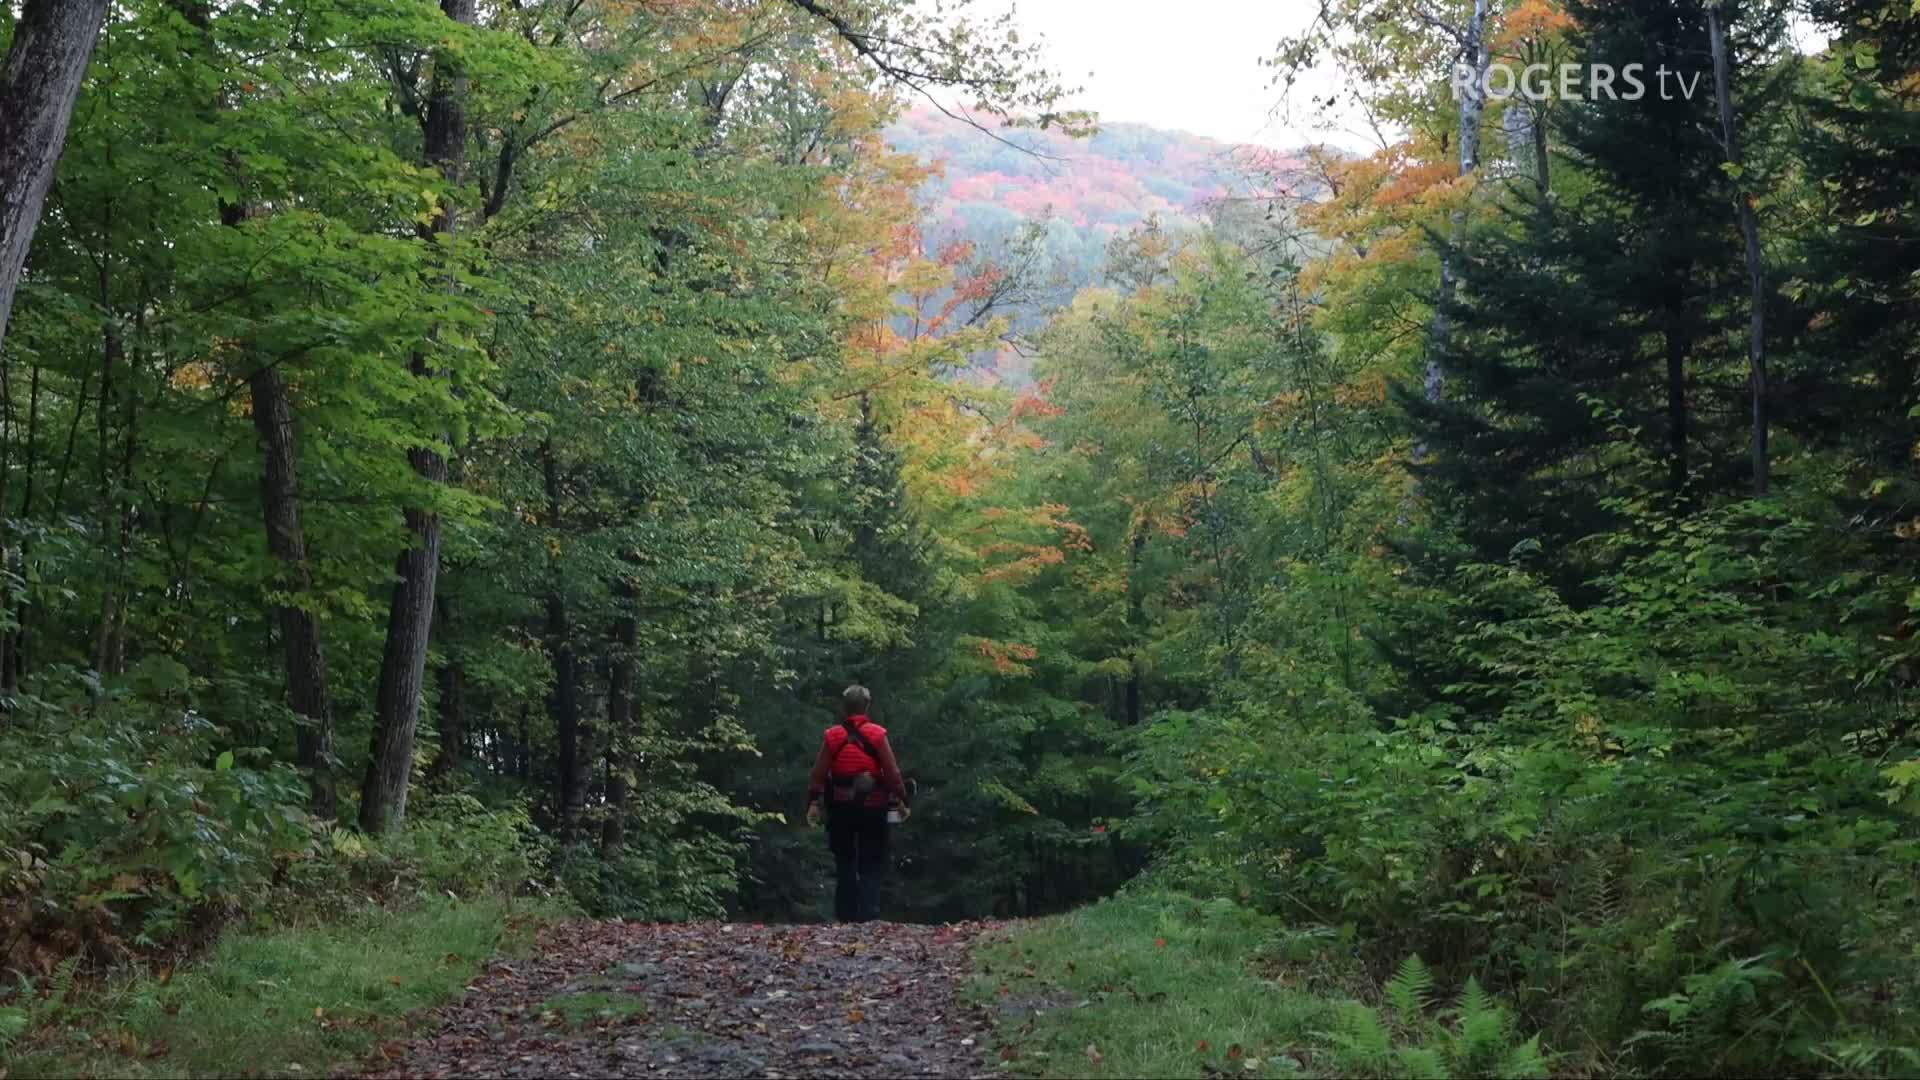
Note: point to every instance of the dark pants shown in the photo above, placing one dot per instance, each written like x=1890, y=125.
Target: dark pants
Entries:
x=858, y=837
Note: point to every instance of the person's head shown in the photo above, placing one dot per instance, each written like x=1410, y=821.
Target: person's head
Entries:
x=857, y=700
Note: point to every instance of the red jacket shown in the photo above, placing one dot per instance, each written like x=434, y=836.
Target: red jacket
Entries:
x=841, y=759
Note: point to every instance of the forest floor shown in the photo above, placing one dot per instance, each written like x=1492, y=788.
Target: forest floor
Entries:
x=714, y=1000
x=1147, y=983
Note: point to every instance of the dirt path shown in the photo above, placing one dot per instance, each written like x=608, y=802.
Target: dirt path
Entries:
x=713, y=1000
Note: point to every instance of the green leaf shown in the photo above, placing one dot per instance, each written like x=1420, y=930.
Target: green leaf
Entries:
x=224, y=761
x=13, y=1021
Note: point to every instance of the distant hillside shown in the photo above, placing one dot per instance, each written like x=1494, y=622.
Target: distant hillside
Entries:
x=1088, y=191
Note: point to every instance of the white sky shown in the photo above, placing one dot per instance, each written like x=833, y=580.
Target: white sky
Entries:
x=1194, y=65
x=1189, y=65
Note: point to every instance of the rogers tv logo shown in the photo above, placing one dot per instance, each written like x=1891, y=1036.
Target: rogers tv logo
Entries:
x=1573, y=82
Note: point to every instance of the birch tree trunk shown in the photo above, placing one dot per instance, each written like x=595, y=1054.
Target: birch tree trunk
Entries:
x=1472, y=105
x=1750, y=238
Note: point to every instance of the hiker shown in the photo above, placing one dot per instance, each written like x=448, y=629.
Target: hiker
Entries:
x=856, y=782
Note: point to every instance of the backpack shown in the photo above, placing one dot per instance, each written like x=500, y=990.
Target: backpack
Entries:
x=863, y=784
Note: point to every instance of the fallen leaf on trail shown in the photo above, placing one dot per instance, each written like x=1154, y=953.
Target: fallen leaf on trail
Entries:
x=768, y=1001
x=1094, y=1056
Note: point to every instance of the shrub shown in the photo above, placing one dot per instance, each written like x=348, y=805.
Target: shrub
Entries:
x=123, y=823
x=1687, y=770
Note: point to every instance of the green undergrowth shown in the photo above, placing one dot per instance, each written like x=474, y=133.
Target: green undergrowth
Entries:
x=1147, y=984
x=305, y=998
x=1156, y=983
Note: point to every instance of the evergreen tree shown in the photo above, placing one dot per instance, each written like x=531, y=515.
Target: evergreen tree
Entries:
x=1599, y=354
x=1856, y=289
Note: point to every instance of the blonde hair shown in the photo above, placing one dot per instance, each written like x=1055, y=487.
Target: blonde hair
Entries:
x=857, y=698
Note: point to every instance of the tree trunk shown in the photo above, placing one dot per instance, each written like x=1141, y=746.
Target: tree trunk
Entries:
x=1472, y=104
x=563, y=701
x=306, y=665
x=613, y=831
x=403, y=662
x=16, y=645
x=563, y=704
x=1750, y=238
x=299, y=635
x=523, y=750
x=52, y=41
x=620, y=678
x=1136, y=620
x=1526, y=144
x=111, y=646
x=1679, y=345
x=451, y=716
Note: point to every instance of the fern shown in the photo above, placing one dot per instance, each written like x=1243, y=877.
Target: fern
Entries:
x=1715, y=1013
x=1411, y=990
x=13, y=1022
x=1479, y=1044
x=1525, y=1061
x=1422, y=1063
x=1476, y=1039
x=59, y=985
x=1362, y=1045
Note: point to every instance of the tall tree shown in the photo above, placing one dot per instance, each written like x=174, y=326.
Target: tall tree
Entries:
x=1750, y=244
x=39, y=80
x=403, y=662
x=1389, y=49
x=1551, y=378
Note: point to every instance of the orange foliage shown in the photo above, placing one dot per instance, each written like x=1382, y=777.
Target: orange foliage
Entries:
x=1033, y=402
x=1005, y=657
x=1533, y=20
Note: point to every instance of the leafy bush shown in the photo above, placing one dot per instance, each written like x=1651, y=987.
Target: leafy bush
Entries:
x=671, y=879
x=122, y=822
x=1684, y=771
x=453, y=843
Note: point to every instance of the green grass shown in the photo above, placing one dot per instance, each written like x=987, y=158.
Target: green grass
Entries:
x=594, y=1008
x=303, y=999
x=1156, y=984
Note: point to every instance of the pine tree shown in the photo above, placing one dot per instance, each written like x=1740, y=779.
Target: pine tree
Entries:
x=1600, y=348
x=1600, y=351
x=1862, y=258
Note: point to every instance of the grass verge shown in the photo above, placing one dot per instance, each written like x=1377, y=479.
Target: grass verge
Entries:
x=1146, y=984
x=302, y=999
